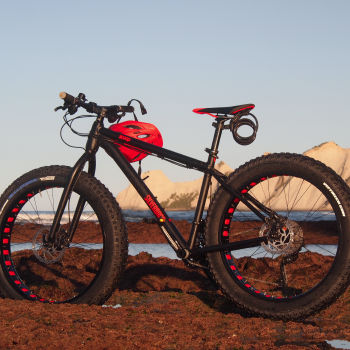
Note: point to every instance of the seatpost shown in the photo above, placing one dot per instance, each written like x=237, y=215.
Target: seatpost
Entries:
x=213, y=152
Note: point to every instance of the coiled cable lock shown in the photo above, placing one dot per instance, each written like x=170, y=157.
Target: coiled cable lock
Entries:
x=238, y=122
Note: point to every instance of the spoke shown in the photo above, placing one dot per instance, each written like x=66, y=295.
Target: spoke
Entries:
x=313, y=211
x=92, y=246
x=257, y=251
x=285, y=195
x=322, y=247
x=246, y=231
x=296, y=202
x=35, y=208
x=241, y=214
x=269, y=193
x=297, y=193
x=263, y=190
x=29, y=220
x=321, y=215
x=289, y=189
x=51, y=199
x=89, y=216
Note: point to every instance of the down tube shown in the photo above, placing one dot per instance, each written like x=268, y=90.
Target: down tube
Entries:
x=169, y=230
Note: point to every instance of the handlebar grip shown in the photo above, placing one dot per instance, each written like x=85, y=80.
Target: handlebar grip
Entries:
x=127, y=109
x=67, y=98
x=119, y=109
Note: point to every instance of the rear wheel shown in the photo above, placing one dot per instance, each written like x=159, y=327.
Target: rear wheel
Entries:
x=83, y=270
x=304, y=263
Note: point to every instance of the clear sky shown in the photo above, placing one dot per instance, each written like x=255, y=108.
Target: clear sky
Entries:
x=290, y=58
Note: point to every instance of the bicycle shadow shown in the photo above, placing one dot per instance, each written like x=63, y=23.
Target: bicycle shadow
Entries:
x=162, y=277
x=165, y=278
x=158, y=277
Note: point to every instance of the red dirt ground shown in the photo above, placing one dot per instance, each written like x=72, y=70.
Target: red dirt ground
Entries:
x=164, y=305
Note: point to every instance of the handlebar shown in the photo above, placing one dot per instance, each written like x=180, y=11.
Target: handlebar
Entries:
x=67, y=98
x=72, y=103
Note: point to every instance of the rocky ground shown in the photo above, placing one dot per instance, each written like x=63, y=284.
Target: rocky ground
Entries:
x=161, y=304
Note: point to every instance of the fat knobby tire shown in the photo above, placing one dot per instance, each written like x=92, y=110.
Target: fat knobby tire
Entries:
x=330, y=287
x=110, y=219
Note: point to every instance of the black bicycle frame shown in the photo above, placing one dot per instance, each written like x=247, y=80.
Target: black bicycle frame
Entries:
x=107, y=139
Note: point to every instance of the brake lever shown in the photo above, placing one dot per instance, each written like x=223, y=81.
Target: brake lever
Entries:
x=72, y=109
x=114, y=117
x=142, y=107
x=60, y=107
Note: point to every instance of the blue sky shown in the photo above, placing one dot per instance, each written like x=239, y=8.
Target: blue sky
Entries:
x=289, y=58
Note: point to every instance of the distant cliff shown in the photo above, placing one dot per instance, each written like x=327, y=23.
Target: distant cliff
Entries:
x=172, y=195
x=334, y=156
x=184, y=195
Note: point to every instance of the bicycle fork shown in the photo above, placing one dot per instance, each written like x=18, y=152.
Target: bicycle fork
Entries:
x=89, y=155
x=65, y=197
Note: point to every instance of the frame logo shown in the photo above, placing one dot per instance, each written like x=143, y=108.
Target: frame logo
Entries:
x=154, y=207
x=125, y=138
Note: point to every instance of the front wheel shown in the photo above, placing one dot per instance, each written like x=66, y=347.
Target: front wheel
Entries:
x=83, y=269
x=303, y=264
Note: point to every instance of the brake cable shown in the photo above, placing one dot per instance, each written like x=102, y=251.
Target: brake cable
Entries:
x=143, y=111
x=68, y=123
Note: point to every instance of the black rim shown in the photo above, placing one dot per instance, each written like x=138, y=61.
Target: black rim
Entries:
x=306, y=245
x=41, y=280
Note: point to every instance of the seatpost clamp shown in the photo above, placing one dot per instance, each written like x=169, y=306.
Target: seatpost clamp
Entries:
x=211, y=152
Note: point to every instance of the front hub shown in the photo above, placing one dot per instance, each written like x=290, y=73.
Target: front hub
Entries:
x=47, y=252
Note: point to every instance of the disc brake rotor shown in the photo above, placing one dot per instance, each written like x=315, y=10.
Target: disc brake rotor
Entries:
x=44, y=252
x=285, y=239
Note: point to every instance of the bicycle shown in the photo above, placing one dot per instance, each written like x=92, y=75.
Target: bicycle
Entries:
x=275, y=240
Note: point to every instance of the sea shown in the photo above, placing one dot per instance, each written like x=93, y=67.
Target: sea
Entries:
x=164, y=250
x=139, y=215
x=188, y=215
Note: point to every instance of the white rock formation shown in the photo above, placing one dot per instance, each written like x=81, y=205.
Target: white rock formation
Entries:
x=176, y=195
x=334, y=156
x=183, y=195
x=299, y=192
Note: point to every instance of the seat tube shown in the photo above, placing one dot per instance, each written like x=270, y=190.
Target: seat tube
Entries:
x=213, y=151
